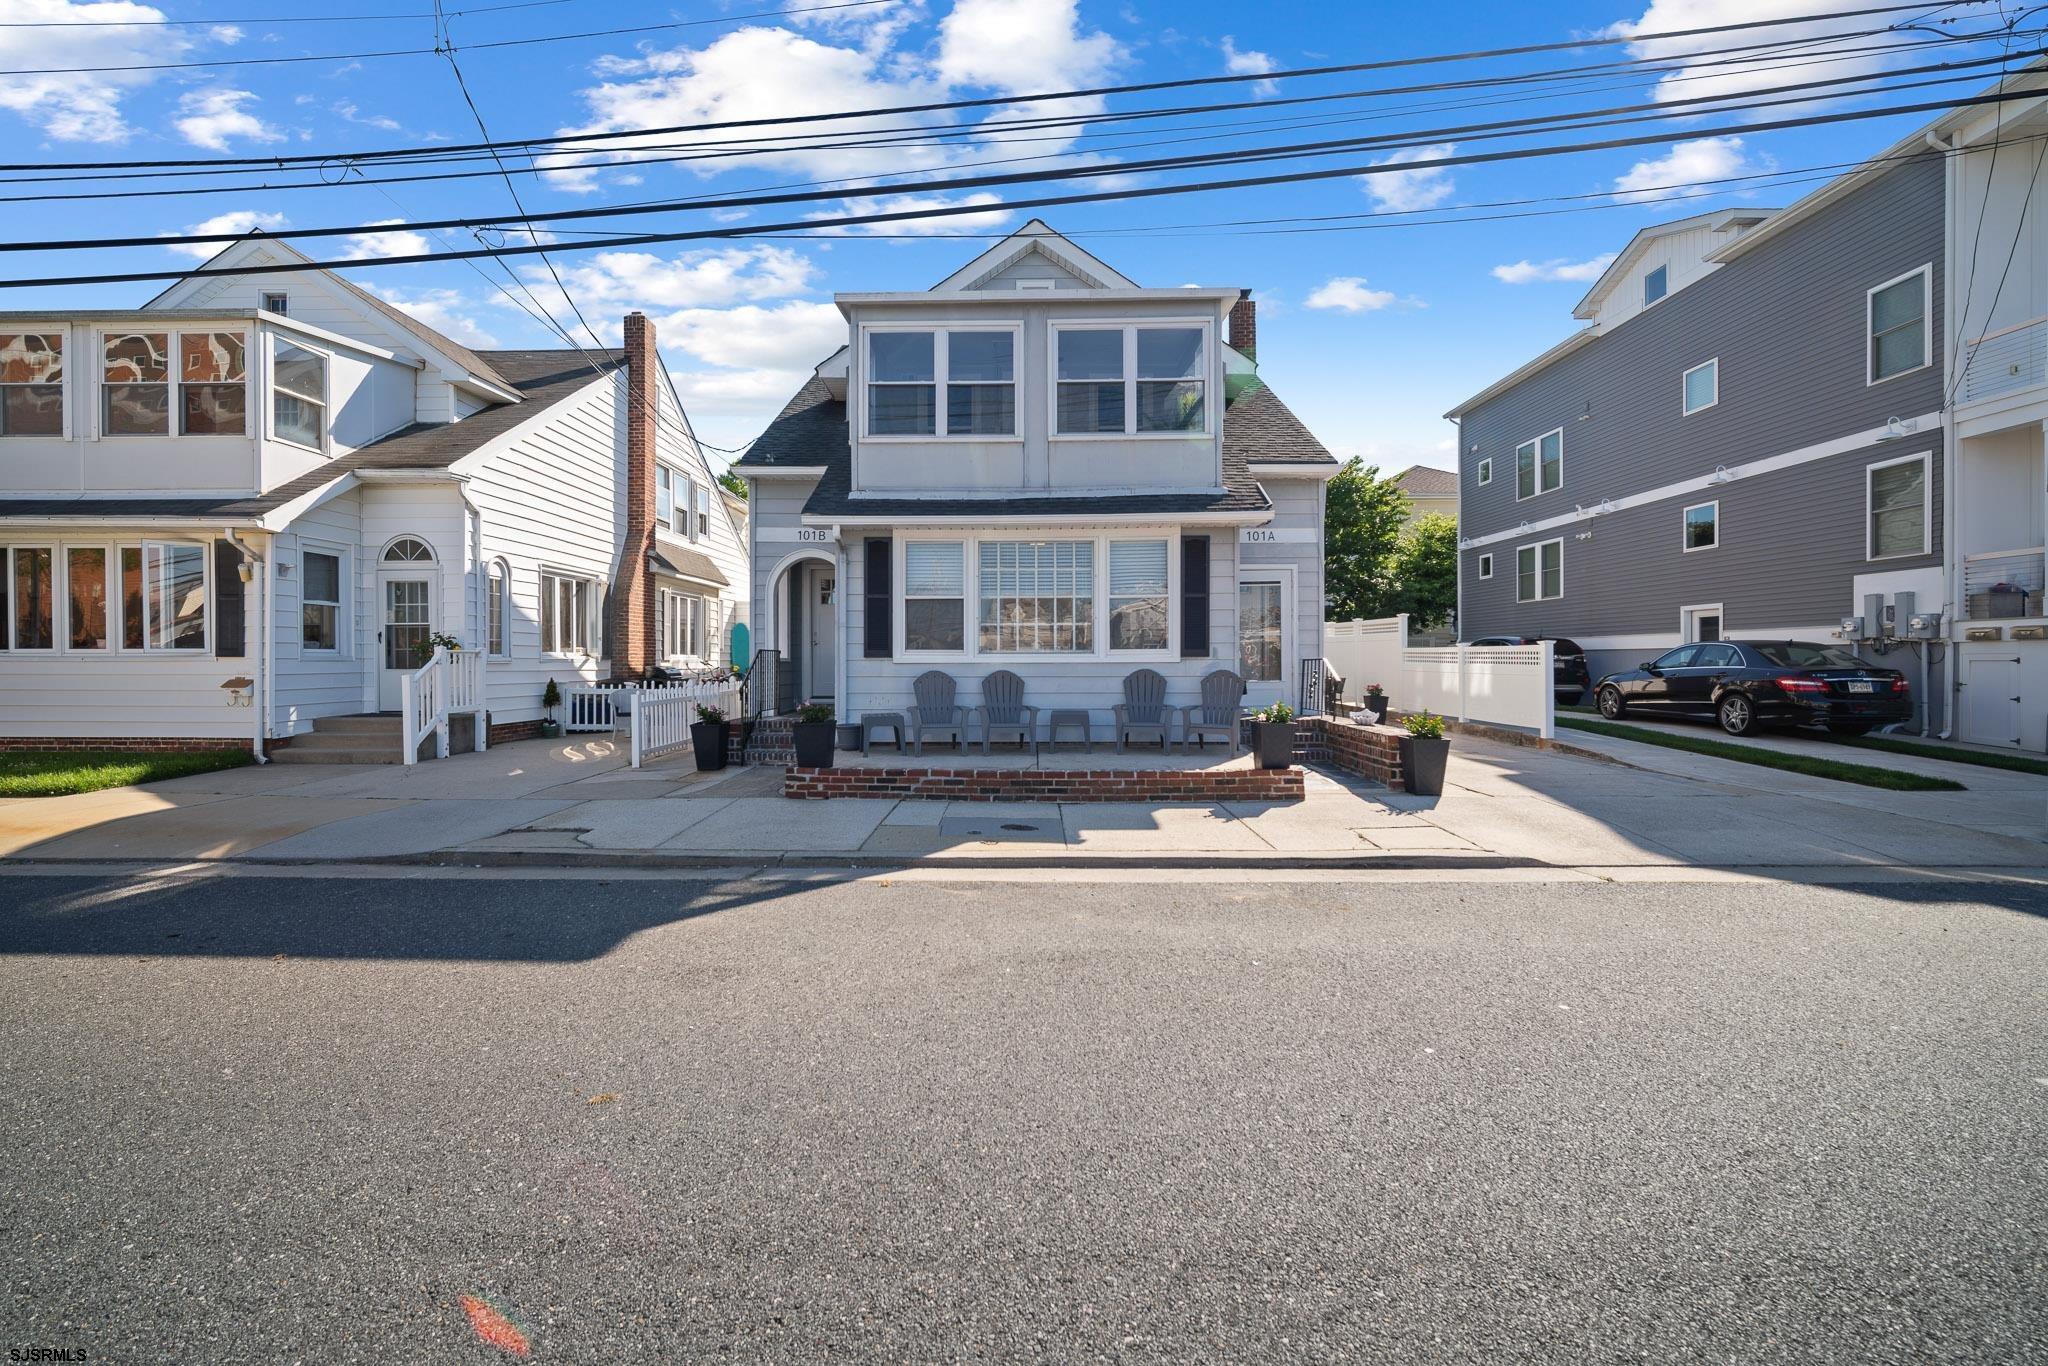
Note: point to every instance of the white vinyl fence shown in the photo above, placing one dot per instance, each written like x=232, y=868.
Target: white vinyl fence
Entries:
x=661, y=716
x=1502, y=685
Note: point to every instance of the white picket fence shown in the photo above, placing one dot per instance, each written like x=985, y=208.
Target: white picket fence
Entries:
x=445, y=684
x=661, y=716
x=1502, y=685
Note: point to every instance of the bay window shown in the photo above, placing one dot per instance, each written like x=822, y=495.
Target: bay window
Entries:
x=319, y=601
x=974, y=368
x=934, y=595
x=1130, y=380
x=137, y=383
x=31, y=384
x=1137, y=595
x=1037, y=597
x=85, y=593
x=565, y=607
x=298, y=395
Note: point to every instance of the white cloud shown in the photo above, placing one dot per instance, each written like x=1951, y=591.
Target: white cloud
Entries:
x=81, y=106
x=907, y=203
x=447, y=311
x=615, y=281
x=1348, y=294
x=227, y=35
x=1686, y=164
x=1692, y=81
x=747, y=361
x=237, y=221
x=1411, y=191
x=211, y=117
x=1527, y=272
x=1249, y=64
x=354, y=114
x=370, y=246
x=1022, y=47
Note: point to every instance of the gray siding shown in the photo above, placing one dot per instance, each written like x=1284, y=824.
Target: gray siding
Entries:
x=1787, y=321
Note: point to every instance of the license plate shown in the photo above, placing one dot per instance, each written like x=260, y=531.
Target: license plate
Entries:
x=1860, y=687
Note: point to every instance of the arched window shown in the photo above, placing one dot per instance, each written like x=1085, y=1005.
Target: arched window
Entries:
x=500, y=608
x=408, y=550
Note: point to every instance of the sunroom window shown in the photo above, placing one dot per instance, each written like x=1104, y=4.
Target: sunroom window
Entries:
x=173, y=596
x=212, y=392
x=135, y=390
x=1128, y=380
x=1037, y=597
x=137, y=383
x=934, y=596
x=298, y=395
x=1137, y=595
x=31, y=384
x=902, y=384
x=85, y=595
x=32, y=599
x=976, y=369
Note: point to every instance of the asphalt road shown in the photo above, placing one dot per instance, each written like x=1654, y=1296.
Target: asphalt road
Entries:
x=302, y=1120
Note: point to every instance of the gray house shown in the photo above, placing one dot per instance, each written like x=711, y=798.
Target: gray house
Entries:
x=1037, y=465
x=1745, y=440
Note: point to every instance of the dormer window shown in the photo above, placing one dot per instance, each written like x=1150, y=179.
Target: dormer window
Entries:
x=298, y=396
x=1131, y=380
x=1656, y=284
x=975, y=368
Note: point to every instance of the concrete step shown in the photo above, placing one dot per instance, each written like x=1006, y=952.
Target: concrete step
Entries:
x=347, y=739
x=299, y=752
x=371, y=724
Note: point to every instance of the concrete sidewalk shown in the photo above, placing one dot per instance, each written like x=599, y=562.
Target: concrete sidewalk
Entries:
x=579, y=803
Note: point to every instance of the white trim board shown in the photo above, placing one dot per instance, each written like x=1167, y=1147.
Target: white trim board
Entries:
x=1705, y=483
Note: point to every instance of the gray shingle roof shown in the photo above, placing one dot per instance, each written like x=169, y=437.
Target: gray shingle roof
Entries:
x=811, y=431
x=684, y=563
x=542, y=378
x=1420, y=481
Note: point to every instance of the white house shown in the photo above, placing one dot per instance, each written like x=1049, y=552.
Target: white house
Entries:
x=1037, y=465
x=240, y=510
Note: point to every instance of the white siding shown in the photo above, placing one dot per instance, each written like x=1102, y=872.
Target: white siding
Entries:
x=310, y=684
x=1297, y=512
x=725, y=543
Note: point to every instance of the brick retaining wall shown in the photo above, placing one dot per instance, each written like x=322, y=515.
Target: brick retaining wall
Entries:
x=147, y=744
x=1049, y=785
x=1369, y=751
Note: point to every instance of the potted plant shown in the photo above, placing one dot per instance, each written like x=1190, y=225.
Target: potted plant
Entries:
x=1273, y=736
x=550, y=698
x=1376, y=703
x=707, y=738
x=1424, y=752
x=815, y=733
x=423, y=650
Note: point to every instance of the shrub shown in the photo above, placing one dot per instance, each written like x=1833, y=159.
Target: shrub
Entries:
x=814, y=713
x=551, y=697
x=1424, y=725
x=711, y=716
x=1278, y=714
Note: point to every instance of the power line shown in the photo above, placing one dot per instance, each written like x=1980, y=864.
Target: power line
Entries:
x=942, y=105
x=1668, y=110
x=954, y=210
x=272, y=18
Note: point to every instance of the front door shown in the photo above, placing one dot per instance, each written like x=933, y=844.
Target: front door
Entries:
x=1702, y=624
x=1990, y=710
x=821, y=622
x=1265, y=638
x=405, y=622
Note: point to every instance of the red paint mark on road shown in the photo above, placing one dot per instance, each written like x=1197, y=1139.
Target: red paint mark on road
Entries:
x=494, y=1328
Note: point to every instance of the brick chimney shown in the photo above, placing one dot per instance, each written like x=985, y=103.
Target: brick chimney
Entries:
x=631, y=630
x=1243, y=334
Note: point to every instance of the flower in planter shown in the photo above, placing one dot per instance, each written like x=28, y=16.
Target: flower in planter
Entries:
x=1424, y=725
x=1278, y=714
x=710, y=716
x=1375, y=690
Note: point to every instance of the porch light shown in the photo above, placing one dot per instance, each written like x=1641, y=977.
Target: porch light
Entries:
x=1721, y=475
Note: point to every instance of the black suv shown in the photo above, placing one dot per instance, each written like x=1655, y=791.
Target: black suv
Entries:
x=1744, y=684
x=1569, y=675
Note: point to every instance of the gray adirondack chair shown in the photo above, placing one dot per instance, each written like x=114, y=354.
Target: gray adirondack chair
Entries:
x=1142, y=715
x=936, y=716
x=1002, y=711
x=1217, y=712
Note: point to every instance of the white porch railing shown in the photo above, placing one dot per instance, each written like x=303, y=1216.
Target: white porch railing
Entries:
x=2001, y=362
x=446, y=684
x=661, y=716
x=2004, y=583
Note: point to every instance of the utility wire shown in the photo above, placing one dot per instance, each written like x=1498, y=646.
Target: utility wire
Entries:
x=273, y=18
x=954, y=210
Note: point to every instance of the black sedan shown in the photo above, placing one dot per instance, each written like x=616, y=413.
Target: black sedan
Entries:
x=1569, y=675
x=1744, y=684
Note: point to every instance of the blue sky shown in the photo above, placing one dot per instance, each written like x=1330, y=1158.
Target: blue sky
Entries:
x=1369, y=334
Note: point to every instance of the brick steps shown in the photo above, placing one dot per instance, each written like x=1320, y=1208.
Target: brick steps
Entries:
x=1050, y=785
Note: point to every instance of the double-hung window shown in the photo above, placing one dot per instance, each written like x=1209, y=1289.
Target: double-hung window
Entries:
x=320, y=601
x=565, y=609
x=1130, y=380
x=1137, y=595
x=1896, y=496
x=1702, y=386
x=682, y=625
x=934, y=595
x=1539, y=465
x=1037, y=597
x=700, y=498
x=138, y=378
x=664, y=497
x=298, y=395
x=31, y=384
x=1539, y=571
x=974, y=368
x=500, y=607
x=1898, y=335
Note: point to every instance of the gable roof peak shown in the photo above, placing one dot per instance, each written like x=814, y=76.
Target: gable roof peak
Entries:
x=1040, y=237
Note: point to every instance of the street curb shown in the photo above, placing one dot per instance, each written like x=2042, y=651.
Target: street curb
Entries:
x=622, y=858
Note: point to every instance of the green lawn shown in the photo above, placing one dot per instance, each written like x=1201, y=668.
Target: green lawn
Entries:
x=2014, y=763
x=1768, y=758
x=61, y=775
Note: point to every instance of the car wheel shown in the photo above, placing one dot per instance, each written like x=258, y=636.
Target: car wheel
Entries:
x=1848, y=728
x=1737, y=713
x=1611, y=705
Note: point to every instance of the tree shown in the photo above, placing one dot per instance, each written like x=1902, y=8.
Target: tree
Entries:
x=732, y=483
x=1426, y=568
x=1362, y=519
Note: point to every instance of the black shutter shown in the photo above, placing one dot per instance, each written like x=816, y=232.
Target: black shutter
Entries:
x=228, y=593
x=1194, y=597
x=878, y=625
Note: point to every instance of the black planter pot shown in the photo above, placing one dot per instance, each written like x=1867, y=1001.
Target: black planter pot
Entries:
x=814, y=743
x=1378, y=702
x=1422, y=765
x=1273, y=743
x=707, y=739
